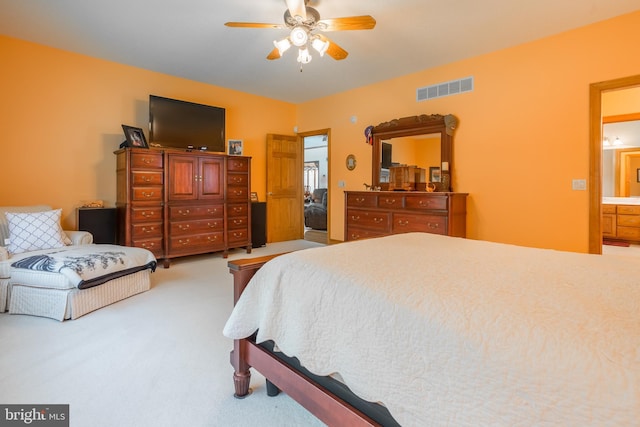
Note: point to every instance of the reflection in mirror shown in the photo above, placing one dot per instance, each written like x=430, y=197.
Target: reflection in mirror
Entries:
x=423, y=144
x=422, y=151
x=621, y=159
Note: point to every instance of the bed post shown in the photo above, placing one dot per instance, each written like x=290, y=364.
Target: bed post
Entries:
x=242, y=270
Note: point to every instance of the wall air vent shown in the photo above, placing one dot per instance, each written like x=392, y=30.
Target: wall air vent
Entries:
x=444, y=89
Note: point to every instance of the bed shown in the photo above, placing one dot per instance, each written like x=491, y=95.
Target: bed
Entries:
x=440, y=330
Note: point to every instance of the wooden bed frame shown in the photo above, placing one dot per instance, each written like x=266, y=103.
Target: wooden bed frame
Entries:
x=329, y=408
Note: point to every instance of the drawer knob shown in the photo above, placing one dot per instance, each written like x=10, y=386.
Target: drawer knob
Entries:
x=147, y=195
x=148, y=230
x=390, y=201
x=183, y=227
x=185, y=212
x=402, y=222
x=212, y=239
x=237, y=221
x=355, y=217
x=148, y=245
x=424, y=203
x=378, y=220
x=146, y=161
x=359, y=199
x=184, y=242
x=147, y=214
x=433, y=226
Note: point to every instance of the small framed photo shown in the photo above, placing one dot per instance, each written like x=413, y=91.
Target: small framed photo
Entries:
x=434, y=174
x=234, y=147
x=254, y=196
x=135, y=137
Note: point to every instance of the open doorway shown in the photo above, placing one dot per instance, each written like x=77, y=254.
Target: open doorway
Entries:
x=596, y=155
x=315, y=177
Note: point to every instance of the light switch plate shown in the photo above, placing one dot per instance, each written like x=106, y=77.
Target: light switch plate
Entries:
x=579, y=184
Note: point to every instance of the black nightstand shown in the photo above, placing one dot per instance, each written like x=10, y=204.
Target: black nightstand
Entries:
x=101, y=222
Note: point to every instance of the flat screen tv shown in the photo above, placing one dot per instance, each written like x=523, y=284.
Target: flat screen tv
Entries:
x=386, y=155
x=181, y=124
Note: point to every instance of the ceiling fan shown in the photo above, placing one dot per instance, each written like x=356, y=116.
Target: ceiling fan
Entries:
x=303, y=21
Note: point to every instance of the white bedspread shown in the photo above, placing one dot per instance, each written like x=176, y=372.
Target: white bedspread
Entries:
x=455, y=332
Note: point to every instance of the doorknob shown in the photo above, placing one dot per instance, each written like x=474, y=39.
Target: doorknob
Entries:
x=269, y=193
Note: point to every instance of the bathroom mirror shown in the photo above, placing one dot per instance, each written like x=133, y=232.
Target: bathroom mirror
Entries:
x=424, y=141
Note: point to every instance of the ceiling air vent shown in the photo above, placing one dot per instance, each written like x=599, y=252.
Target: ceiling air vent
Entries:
x=445, y=89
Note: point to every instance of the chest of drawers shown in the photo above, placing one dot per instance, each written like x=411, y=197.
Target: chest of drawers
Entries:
x=381, y=213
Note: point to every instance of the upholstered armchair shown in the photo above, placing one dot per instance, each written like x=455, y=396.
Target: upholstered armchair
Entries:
x=52, y=222
x=315, y=213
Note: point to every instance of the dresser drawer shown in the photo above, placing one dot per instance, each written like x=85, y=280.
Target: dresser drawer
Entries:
x=147, y=177
x=235, y=223
x=629, y=233
x=146, y=214
x=196, y=226
x=178, y=213
x=146, y=160
x=146, y=230
x=238, y=193
x=391, y=202
x=368, y=219
x=629, y=220
x=608, y=209
x=196, y=243
x=426, y=202
x=238, y=164
x=238, y=179
x=406, y=223
x=153, y=244
x=147, y=194
x=235, y=237
x=362, y=200
x=355, y=233
x=628, y=210
x=238, y=209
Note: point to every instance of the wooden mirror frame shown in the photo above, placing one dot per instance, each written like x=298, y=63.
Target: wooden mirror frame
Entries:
x=411, y=126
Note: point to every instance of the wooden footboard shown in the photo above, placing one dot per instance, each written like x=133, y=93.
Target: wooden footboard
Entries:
x=329, y=408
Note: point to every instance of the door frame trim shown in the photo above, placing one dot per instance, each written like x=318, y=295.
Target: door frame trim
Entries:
x=595, y=154
x=327, y=132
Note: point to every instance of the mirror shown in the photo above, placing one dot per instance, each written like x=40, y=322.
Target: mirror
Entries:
x=424, y=141
x=621, y=158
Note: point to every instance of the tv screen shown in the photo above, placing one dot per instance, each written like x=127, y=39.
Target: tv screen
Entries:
x=180, y=124
x=386, y=155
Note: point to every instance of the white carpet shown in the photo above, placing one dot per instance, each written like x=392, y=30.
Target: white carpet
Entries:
x=156, y=359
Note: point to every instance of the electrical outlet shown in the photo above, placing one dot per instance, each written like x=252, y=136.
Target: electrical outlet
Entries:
x=579, y=184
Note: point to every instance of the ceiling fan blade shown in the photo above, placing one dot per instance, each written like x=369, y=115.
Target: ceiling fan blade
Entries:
x=297, y=8
x=253, y=25
x=274, y=54
x=334, y=51
x=364, y=22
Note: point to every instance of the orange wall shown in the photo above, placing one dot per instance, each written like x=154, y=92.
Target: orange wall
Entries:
x=523, y=133
x=522, y=136
x=61, y=115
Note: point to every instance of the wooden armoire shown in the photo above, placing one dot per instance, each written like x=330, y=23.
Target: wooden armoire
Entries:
x=177, y=203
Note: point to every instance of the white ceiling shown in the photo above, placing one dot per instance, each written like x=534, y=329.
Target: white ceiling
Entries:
x=187, y=38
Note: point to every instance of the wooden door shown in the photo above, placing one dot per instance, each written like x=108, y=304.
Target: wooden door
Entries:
x=211, y=178
x=181, y=177
x=285, y=203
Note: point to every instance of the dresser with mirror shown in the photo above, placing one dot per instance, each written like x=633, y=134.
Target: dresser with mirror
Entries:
x=411, y=181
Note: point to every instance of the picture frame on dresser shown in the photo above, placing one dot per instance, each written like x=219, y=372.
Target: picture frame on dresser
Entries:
x=235, y=147
x=134, y=137
x=434, y=174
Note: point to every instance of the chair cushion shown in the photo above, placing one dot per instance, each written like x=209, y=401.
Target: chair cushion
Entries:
x=35, y=231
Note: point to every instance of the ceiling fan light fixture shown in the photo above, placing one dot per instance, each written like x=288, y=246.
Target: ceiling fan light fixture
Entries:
x=282, y=45
x=320, y=46
x=304, y=57
x=299, y=36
